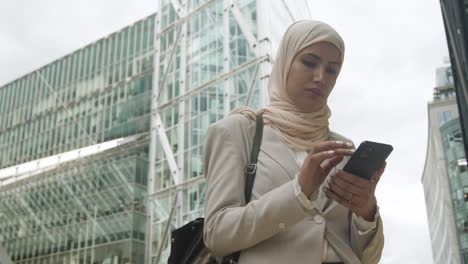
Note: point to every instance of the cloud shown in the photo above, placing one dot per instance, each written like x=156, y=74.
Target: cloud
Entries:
x=39, y=32
x=392, y=51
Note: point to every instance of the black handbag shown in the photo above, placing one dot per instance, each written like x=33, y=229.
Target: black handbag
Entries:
x=187, y=241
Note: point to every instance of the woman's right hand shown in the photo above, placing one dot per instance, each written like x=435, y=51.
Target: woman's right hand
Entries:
x=319, y=161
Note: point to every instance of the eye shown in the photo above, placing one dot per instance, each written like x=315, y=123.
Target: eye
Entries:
x=331, y=70
x=310, y=64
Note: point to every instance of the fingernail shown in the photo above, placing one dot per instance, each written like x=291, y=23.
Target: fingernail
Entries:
x=340, y=142
x=352, y=150
x=330, y=152
x=349, y=144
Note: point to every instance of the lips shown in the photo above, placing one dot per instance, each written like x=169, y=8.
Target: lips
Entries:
x=314, y=91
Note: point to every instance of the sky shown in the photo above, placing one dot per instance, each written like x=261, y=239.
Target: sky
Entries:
x=392, y=51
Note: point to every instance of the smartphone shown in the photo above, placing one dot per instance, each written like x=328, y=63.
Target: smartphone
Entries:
x=367, y=159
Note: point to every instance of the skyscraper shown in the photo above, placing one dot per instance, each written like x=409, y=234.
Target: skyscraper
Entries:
x=455, y=15
x=445, y=175
x=101, y=150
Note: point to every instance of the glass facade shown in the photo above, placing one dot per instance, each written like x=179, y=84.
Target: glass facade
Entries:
x=95, y=94
x=445, y=174
x=216, y=80
x=83, y=212
x=91, y=210
x=195, y=60
x=457, y=172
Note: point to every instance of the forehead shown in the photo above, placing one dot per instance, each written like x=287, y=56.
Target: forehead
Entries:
x=324, y=50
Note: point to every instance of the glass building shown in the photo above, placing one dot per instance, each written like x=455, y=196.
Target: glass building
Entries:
x=445, y=177
x=458, y=181
x=101, y=150
x=455, y=15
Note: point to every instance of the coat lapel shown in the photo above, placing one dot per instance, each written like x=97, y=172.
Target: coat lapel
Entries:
x=274, y=147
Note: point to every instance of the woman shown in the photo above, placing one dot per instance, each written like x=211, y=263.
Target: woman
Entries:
x=304, y=209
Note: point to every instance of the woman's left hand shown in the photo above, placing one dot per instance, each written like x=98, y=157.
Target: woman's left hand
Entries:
x=355, y=193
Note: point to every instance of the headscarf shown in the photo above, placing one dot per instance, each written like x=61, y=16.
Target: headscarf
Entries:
x=298, y=130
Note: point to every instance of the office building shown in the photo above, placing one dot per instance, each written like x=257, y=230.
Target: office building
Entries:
x=455, y=15
x=101, y=150
x=445, y=178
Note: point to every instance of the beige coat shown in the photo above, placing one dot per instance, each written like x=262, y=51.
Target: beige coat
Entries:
x=273, y=227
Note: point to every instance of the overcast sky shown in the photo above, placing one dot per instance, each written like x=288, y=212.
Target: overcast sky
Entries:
x=392, y=51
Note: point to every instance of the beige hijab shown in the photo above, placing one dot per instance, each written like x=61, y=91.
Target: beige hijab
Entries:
x=298, y=130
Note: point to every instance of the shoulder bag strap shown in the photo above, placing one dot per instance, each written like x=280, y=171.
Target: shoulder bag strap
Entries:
x=251, y=168
x=250, y=171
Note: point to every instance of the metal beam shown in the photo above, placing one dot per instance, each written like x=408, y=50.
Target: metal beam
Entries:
x=218, y=79
x=158, y=131
x=193, y=12
x=153, y=138
x=184, y=184
x=226, y=59
x=127, y=185
x=178, y=8
x=166, y=229
x=244, y=26
x=21, y=200
x=81, y=206
x=289, y=10
x=252, y=86
x=169, y=63
x=101, y=195
x=182, y=115
x=14, y=212
x=167, y=149
x=265, y=50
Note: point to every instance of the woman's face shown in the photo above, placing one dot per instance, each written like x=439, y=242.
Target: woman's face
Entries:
x=312, y=76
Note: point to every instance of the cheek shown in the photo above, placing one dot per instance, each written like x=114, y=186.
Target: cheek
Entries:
x=290, y=87
x=295, y=79
x=331, y=84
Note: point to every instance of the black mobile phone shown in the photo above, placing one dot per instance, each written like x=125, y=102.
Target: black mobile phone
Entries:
x=367, y=159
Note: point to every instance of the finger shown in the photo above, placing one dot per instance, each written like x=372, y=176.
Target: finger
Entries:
x=328, y=164
x=353, y=179
x=321, y=156
x=331, y=194
x=354, y=201
x=344, y=152
x=331, y=145
x=378, y=174
x=354, y=189
x=338, y=190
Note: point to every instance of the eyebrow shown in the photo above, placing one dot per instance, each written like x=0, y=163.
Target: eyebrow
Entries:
x=320, y=59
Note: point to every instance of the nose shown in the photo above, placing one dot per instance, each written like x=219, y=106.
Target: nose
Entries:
x=319, y=73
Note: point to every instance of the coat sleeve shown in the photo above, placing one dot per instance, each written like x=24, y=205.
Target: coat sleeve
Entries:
x=230, y=225
x=368, y=246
